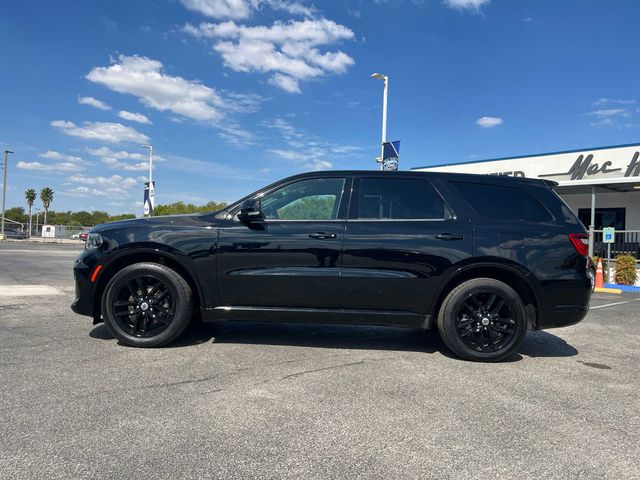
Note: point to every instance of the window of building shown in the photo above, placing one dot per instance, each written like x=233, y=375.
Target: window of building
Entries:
x=399, y=198
x=605, y=217
x=497, y=202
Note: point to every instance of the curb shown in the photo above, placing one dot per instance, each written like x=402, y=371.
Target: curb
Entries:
x=624, y=288
x=607, y=290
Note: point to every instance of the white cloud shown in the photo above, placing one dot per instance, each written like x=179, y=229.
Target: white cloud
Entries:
x=610, y=112
x=121, y=155
x=93, y=102
x=466, y=4
x=53, y=155
x=220, y=8
x=50, y=167
x=610, y=101
x=102, y=131
x=287, y=50
x=134, y=117
x=114, y=185
x=119, y=159
x=241, y=9
x=305, y=149
x=132, y=167
x=285, y=82
x=489, y=122
x=144, y=78
x=60, y=163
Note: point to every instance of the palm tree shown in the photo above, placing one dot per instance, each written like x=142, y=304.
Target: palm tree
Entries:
x=30, y=196
x=46, y=195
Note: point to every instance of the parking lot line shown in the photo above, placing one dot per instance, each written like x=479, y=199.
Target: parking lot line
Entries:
x=28, y=290
x=613, y=304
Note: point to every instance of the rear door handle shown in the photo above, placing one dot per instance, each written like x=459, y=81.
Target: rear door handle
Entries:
x=322, y=235
x=449, y=236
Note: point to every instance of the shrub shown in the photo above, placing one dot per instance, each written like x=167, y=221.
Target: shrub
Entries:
x=626, y=269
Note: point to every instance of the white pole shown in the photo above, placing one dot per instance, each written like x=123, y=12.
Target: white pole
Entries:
x=384, y=120
x=608, y=263
x=592, y=221
x=4, y=189
x=150, y=163
x=150, y=148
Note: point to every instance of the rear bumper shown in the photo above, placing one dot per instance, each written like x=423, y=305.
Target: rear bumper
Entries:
x=562, y=316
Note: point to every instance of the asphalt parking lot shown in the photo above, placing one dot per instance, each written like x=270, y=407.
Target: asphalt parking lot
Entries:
x=298, y=401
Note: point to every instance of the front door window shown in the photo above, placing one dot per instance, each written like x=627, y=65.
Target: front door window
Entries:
x=313, y=199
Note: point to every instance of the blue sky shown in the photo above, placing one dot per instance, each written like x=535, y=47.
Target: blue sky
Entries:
x=234, y=94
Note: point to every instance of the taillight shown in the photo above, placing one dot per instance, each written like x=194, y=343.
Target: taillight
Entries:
x=580, y=242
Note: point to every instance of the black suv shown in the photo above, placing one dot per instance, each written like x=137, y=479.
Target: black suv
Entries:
x=483, y=258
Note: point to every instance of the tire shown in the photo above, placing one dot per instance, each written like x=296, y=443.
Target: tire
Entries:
x=147, y=305
x=482, y=320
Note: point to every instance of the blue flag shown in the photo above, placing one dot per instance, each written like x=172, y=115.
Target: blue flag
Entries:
x=391, y=150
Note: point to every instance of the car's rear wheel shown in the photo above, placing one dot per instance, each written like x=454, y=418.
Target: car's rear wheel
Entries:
x=483, y=320
x=147, y=305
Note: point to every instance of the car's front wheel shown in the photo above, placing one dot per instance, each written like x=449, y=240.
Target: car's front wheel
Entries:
x=483, y=319
x=147, y=305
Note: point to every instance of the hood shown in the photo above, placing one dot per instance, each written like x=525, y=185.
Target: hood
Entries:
x=186, y=220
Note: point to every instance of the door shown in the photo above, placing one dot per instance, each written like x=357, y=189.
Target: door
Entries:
x=401, y=236
x=293, y=260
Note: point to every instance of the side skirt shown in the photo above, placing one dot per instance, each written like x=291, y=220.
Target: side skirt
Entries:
x=389, y=318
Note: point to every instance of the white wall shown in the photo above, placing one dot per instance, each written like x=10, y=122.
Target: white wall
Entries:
x=628, y=200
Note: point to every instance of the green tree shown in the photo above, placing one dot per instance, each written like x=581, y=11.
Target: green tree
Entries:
x=46, y=196
x=30, y=196
x=16, y=214
x=178, y=208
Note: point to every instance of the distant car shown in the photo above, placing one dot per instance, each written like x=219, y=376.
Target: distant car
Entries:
x=15, y=234
x=83, y=236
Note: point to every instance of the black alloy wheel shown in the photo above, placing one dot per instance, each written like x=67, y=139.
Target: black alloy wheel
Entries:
x=483, y=319
x=147, y=305
x=484, y=322
x=143, y=306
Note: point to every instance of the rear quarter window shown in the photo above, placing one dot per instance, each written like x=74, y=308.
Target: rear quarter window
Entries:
x=498, y=202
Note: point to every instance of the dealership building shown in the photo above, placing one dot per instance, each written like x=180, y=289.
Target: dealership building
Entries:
x=601, y=185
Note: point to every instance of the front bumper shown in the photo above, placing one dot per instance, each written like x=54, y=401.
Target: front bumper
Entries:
x=84, y=288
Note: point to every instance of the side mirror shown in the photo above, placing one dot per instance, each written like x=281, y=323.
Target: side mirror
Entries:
x=251, y=212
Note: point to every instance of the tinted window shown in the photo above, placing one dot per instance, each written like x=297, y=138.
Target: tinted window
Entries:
x=605, y=217
x=398, y=198
x=496, y=202
x=313, y=199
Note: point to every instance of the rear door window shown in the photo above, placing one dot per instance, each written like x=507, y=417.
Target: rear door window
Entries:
x=398, y=199
x=498, y=202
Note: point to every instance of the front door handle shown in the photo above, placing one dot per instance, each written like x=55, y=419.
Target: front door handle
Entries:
x=322, y=235
x=449, y=236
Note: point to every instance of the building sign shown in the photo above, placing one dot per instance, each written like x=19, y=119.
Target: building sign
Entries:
x=597, y=166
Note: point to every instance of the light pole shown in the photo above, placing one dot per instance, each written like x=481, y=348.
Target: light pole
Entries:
x=4, y=190
x=150, y=148
x=385, y=79
x=151, y=190
x=37, y=215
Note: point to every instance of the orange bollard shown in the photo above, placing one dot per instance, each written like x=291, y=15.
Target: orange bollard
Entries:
x=599, y=275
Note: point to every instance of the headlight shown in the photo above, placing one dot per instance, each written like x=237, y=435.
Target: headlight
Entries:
x=94, y=240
